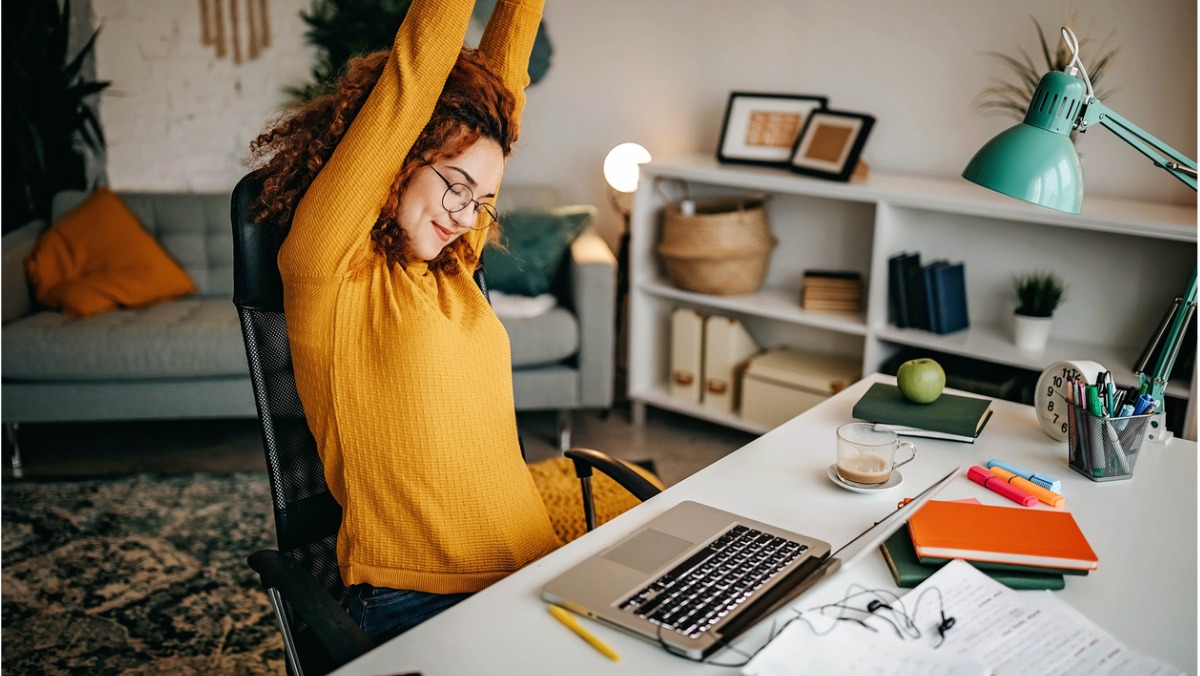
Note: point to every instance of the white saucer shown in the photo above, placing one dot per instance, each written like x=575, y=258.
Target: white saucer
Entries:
x=892, y=482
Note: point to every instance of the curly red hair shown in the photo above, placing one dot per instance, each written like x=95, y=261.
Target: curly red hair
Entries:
x=474, y=104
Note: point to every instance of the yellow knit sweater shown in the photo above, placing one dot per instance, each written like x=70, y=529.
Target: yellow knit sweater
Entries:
x=405, y=375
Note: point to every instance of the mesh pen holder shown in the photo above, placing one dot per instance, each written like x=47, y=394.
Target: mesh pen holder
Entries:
x=1104, y=448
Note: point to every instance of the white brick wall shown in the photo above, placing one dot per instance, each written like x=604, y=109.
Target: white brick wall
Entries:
x=176, y=116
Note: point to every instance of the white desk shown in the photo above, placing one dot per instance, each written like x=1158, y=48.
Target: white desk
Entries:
x=1143, y=529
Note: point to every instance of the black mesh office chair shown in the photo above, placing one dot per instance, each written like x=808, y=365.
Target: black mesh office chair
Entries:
x=301, y=577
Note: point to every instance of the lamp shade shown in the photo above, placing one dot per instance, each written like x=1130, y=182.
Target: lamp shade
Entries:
x=621, y=166
x=1036, y=161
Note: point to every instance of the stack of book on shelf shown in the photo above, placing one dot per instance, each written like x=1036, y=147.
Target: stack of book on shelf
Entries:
x=932, y=297
x=1021, y=548
x=832, y=290
x=950, y=416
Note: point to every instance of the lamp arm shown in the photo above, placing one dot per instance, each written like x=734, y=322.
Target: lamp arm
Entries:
x=1183, y=168
x=1180, y=314
x=1175, y=163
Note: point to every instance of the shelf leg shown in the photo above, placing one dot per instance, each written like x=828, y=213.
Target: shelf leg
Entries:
x=637, y=413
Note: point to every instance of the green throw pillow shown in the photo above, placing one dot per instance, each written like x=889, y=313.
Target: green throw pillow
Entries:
x=537, y=242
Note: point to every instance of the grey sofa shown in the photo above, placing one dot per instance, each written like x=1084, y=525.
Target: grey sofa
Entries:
x=185, y=358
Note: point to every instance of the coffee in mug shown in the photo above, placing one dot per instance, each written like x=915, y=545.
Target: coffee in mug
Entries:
x=866, y=455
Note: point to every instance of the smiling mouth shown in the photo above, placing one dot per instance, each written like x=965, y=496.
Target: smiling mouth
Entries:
x=443, y=234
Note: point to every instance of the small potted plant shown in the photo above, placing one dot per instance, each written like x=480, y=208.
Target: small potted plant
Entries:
x=1038, y=294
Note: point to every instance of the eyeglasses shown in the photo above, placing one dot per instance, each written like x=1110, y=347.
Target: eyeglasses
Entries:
x=459, y=196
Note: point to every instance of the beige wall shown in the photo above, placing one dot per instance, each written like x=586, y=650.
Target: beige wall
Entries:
x=659, y=72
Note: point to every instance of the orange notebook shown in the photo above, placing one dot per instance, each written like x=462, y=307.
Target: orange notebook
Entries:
x=1007, y=535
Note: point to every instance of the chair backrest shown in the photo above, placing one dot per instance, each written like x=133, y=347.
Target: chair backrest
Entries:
x=307, y=517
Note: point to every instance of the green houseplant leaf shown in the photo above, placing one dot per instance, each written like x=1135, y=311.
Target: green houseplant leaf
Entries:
x=1039, y=293
x=49, y=122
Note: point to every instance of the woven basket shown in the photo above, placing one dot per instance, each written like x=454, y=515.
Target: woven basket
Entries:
x=721, y=249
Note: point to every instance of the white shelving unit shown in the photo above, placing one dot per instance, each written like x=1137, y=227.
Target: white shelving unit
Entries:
x=1124, y=262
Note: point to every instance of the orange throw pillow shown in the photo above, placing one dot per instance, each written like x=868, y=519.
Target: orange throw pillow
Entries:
x=98, y=258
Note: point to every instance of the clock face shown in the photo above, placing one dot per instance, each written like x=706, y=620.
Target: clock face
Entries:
x=1050, y=398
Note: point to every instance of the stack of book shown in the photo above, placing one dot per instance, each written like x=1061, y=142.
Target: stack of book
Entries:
x=832, y=290
x=932, y=297
x=1022, y=548
x=950, y=416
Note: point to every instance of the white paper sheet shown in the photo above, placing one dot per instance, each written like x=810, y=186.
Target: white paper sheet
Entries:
x=996, y=630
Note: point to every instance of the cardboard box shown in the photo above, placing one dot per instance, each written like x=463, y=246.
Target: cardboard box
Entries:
x=782, y=383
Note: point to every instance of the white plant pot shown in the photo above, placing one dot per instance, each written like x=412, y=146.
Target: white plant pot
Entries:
x=1031, y=333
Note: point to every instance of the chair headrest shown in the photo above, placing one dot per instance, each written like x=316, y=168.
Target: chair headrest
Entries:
x=257, y=284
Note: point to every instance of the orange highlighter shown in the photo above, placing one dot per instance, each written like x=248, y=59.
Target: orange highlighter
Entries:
x=1047, y=496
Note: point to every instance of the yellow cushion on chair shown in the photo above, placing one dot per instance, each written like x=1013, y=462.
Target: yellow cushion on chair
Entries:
x=560, y=489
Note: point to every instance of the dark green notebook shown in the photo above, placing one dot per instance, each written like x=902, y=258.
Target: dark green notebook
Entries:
x=949, y=413
x=909, y=572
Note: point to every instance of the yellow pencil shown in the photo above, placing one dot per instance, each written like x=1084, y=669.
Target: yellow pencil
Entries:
x=1044, y=494
x=573, y=624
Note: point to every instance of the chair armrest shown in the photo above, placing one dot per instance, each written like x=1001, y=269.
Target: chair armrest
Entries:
x=593, y=277
x=329, y=622
x=18, y=245
x=586, y=459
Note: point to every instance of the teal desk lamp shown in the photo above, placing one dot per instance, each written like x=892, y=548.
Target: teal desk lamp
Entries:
x=1036, y=161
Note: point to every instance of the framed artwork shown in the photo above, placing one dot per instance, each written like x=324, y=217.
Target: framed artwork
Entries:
x=763, y=128
x=829, y=144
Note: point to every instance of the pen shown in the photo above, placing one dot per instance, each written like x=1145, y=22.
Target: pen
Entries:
x=1047, y=496
x=1093, y=401
x=1047, y=482
x=573, y=624
x=1144, y=403
x=990, y=481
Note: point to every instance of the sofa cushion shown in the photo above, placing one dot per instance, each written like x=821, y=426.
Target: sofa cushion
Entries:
x=189, y=337
x=537, y=242
x=98, y=257
x=545, y=339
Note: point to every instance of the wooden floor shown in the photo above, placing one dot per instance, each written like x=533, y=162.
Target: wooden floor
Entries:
x=679, y=446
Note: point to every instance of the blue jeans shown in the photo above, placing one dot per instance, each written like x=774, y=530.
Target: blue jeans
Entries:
x=384, y=613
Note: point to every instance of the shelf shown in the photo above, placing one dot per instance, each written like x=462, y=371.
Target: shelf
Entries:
x=780, y=304
x=860, y=224
x=659, y=397
x=957, y=196
x=993, y=344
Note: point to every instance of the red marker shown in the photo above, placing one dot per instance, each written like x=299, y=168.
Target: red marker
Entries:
x=985, y=478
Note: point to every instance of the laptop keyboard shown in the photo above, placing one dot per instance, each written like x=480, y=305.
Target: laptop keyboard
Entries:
x=706, y=587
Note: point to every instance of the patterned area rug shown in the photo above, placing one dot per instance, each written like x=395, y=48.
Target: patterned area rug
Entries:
x=139, y=575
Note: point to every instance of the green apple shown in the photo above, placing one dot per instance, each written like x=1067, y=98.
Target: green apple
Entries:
x=921, y=380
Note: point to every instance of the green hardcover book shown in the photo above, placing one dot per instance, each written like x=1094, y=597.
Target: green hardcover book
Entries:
x=950, y=414
x=908, y=571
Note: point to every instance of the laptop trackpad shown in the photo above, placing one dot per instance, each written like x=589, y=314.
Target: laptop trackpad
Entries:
x=648, y=550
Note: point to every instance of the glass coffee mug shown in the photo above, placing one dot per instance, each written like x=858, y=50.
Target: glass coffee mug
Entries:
x=866, y=455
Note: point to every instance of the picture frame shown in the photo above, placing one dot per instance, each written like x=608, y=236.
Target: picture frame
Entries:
x=830, y=143
x=761, y=128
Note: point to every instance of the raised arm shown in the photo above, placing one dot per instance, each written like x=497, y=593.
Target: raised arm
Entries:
x=334, y=219
x=508, y=40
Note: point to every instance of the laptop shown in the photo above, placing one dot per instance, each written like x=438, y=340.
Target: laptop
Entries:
x=694, y=578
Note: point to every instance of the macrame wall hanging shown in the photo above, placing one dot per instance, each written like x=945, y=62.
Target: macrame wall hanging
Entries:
x=221, y=27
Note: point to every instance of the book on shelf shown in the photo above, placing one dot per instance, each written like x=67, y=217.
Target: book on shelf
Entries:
x=1044, y=538
x=839, y=290
x=914, y=292
x=949, y=298
x=950, y=414
x=928, y=293
x=908, y=570
x=897, y=307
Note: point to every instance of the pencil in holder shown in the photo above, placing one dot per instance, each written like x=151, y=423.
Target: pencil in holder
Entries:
x=1104, y=448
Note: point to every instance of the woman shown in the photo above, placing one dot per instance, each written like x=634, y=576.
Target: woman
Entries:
x=402, y=367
